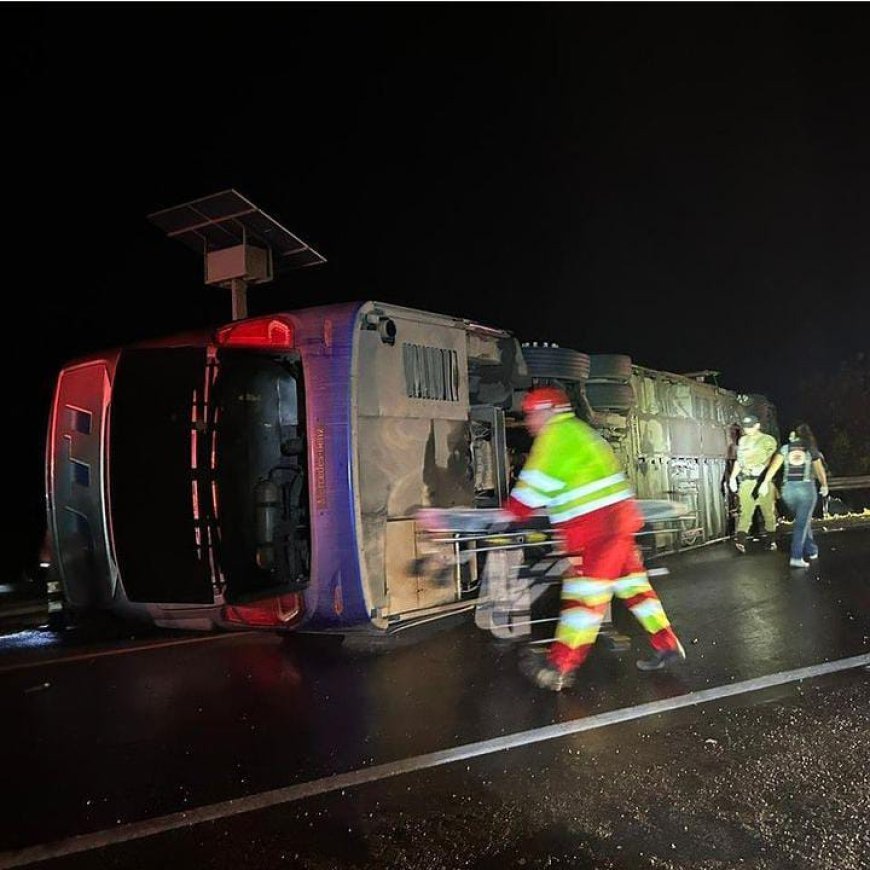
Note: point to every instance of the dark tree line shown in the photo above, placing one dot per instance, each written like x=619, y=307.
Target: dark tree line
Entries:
x=837, y=407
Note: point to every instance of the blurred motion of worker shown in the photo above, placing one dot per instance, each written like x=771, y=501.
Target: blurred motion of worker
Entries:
x=754, y=450
x=573, y=473
x=802, y=465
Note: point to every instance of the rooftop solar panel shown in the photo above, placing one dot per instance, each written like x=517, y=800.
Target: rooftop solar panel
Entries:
x=226, y=219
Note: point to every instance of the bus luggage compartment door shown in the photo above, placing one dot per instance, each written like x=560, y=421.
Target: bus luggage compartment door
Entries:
x=260, y=473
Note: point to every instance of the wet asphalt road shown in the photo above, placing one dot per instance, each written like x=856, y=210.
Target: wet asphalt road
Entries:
x=99, y=732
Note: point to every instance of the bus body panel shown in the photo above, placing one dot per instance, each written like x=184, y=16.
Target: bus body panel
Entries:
x=325, y=339
x=413, y=444
x=75, y=480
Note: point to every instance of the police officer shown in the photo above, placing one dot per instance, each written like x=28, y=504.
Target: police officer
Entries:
x=754, y=450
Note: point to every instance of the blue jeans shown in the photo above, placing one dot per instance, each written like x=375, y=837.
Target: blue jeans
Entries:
x=800, y=496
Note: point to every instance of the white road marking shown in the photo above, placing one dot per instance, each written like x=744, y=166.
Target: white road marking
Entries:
x=288, y=794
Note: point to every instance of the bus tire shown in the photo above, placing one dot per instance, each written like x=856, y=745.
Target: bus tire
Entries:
x=610, y=367
x=610, y=396
x=560, y=363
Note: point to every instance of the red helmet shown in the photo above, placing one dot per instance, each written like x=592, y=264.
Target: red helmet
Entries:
x=546, y=399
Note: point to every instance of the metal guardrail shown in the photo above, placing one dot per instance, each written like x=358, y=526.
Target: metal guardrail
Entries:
x=836, y=484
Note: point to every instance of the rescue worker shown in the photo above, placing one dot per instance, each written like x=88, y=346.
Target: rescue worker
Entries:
x=574, y=474
x=754, y=450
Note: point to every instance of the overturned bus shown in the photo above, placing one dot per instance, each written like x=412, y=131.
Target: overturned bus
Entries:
x=267, y=473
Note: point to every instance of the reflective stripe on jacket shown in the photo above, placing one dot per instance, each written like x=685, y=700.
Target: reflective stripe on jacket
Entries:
x=571, y=471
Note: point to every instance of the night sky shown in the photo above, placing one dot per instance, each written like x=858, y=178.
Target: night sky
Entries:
x=689, y=184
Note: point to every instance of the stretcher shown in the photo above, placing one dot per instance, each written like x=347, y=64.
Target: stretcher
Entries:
x=513, y=571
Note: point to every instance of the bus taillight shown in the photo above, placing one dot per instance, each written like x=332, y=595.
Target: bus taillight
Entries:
x=282, y=611
x=265, y=332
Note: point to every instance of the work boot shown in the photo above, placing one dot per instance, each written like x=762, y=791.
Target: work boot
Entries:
x=767, y=543
x=550, y=677
x=740, y=542
x=662, y=659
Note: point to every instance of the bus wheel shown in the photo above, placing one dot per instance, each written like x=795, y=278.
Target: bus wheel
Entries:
x=609, y=366
x=561, y=363
x=618, y=397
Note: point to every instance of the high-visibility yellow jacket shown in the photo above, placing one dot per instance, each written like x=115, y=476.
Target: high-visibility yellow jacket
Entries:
x=571, y=471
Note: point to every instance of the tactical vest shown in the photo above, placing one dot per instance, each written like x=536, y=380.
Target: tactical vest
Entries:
x=803, y=459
